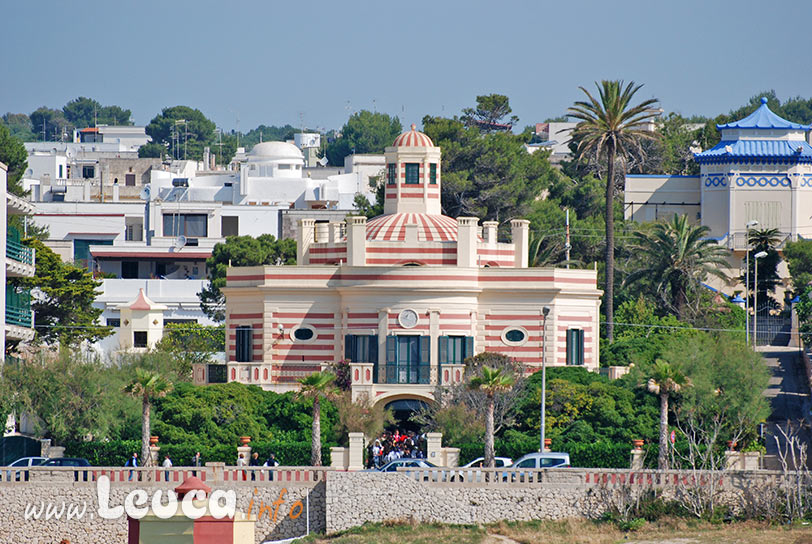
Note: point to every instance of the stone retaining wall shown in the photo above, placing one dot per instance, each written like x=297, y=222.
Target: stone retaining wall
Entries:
x=91, y=528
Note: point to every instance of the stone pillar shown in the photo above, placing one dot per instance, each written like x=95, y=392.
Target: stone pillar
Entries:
x=215, y=469
x=339, y=458
x=245, y=450
x=467, y=242
x=356, y=458
x=520, y=232
x=434, y=448
x=490, y=230
x=357, y=240
x=304, y=238
x=452, y=457
x=637, y=455
x=732, y=460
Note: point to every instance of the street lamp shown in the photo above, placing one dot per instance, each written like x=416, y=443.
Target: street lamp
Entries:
x=545, y=311
x=757, y=256
x=748, y=226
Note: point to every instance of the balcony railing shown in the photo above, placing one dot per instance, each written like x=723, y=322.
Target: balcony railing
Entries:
x=18, y=307
x=406, y=374
x=16, y=250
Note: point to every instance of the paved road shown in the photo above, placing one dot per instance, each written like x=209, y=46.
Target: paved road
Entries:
x=789, y=396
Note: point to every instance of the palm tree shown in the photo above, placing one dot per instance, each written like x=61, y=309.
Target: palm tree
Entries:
x=664, y=379
x=676, y=256
x=491, y=381
x=317, y=386
x=149, y=386
x=611, y=127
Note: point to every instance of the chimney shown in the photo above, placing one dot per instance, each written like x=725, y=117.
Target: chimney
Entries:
x=304, y=238
x=520, y=232
x=490, y=232
x=357, y=240
x=467, y=242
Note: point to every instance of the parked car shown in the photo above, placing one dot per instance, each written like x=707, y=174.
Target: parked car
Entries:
x=499, y=462
x=469, y=473
x=66, y=462
x=547, y=459
x=535, y=460
x=405, y=462
x=78, y=475
x=23, y=462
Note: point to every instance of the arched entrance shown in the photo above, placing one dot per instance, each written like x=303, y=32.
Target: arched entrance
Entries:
x=402, y=409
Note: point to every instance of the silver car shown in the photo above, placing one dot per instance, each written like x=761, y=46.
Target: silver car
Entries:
x=23, y=462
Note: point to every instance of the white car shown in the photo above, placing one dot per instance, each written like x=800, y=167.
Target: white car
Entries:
x=23, y=462
x=497, y=461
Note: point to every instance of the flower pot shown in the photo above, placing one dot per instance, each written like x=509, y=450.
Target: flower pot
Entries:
x=153, y=440
x=637, y=444
x=731, y=445
x=547, y=443
x=245, y=440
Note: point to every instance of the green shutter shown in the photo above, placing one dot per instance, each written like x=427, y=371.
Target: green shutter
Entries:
x=373, y=349
x=443, y=350
x=580, y=346
x=575, y=347
x=425, y=343
x=433, y=173
x=349, y=347
x=391, y=352
x=469, y=348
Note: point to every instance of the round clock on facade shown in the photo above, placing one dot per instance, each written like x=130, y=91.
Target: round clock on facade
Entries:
x=408, y=319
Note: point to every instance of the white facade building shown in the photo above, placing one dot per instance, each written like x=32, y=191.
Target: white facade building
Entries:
x=156, y=234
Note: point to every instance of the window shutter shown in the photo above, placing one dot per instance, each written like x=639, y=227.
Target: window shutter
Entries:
x=349, y=347
x=580, y=347
x=373, y=349
x=425, y=342
x=469, y=348
x=443, y=355
x=391, y=357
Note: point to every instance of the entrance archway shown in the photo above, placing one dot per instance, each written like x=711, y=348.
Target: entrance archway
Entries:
x=402, y=410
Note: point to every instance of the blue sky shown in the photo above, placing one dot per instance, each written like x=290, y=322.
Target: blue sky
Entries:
x=277, y=62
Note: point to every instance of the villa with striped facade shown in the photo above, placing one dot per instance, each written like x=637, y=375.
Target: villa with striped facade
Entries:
x=405, y=297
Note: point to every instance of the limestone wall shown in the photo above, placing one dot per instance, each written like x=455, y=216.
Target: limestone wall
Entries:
x=55, y=489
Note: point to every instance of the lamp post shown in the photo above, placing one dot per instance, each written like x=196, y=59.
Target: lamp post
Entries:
x=748, y=226
x=545, y=311
x=757, y=256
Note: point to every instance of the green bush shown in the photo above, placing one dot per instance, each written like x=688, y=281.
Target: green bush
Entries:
x=115, y=453
x=596, y=454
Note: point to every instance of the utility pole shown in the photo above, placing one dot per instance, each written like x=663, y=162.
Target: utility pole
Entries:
x=568, y=246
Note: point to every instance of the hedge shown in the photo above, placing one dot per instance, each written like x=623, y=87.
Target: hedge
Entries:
x=115, y=453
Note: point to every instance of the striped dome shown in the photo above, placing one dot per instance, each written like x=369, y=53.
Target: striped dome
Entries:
x=413, y=138
x=430, y=228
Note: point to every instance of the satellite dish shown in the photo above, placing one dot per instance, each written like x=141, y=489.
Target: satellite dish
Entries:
x=180, y=241
x=323, y=161
x=145, y=193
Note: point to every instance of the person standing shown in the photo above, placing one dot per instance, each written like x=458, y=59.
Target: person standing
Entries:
x=254, y=463
x=197, y=462
x=241, y=463
x=166, y=464
x=132, y=462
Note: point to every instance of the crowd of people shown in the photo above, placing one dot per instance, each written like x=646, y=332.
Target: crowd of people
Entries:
x=396, y=445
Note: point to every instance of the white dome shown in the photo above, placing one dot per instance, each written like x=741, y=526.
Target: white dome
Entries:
x=268, y=151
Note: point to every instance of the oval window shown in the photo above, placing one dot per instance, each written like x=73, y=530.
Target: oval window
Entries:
x=303, y=334
x=515, y=335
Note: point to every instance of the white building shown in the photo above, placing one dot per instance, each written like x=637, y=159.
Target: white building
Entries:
x=156, y=235
x=759, y=173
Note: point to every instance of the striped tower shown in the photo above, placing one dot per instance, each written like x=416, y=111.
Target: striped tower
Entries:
x=412, y=175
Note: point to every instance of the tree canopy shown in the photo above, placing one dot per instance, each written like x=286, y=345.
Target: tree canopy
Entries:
x=491, y=114
x=85, y=112
x=240, y=251
x=364, y=132
x=15, y=157
x=62, y=300
x=185, y=130
x=488, y=175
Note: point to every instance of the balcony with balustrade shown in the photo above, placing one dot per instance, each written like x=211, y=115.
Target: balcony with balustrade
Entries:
x=19, y=257
x=19, y=316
